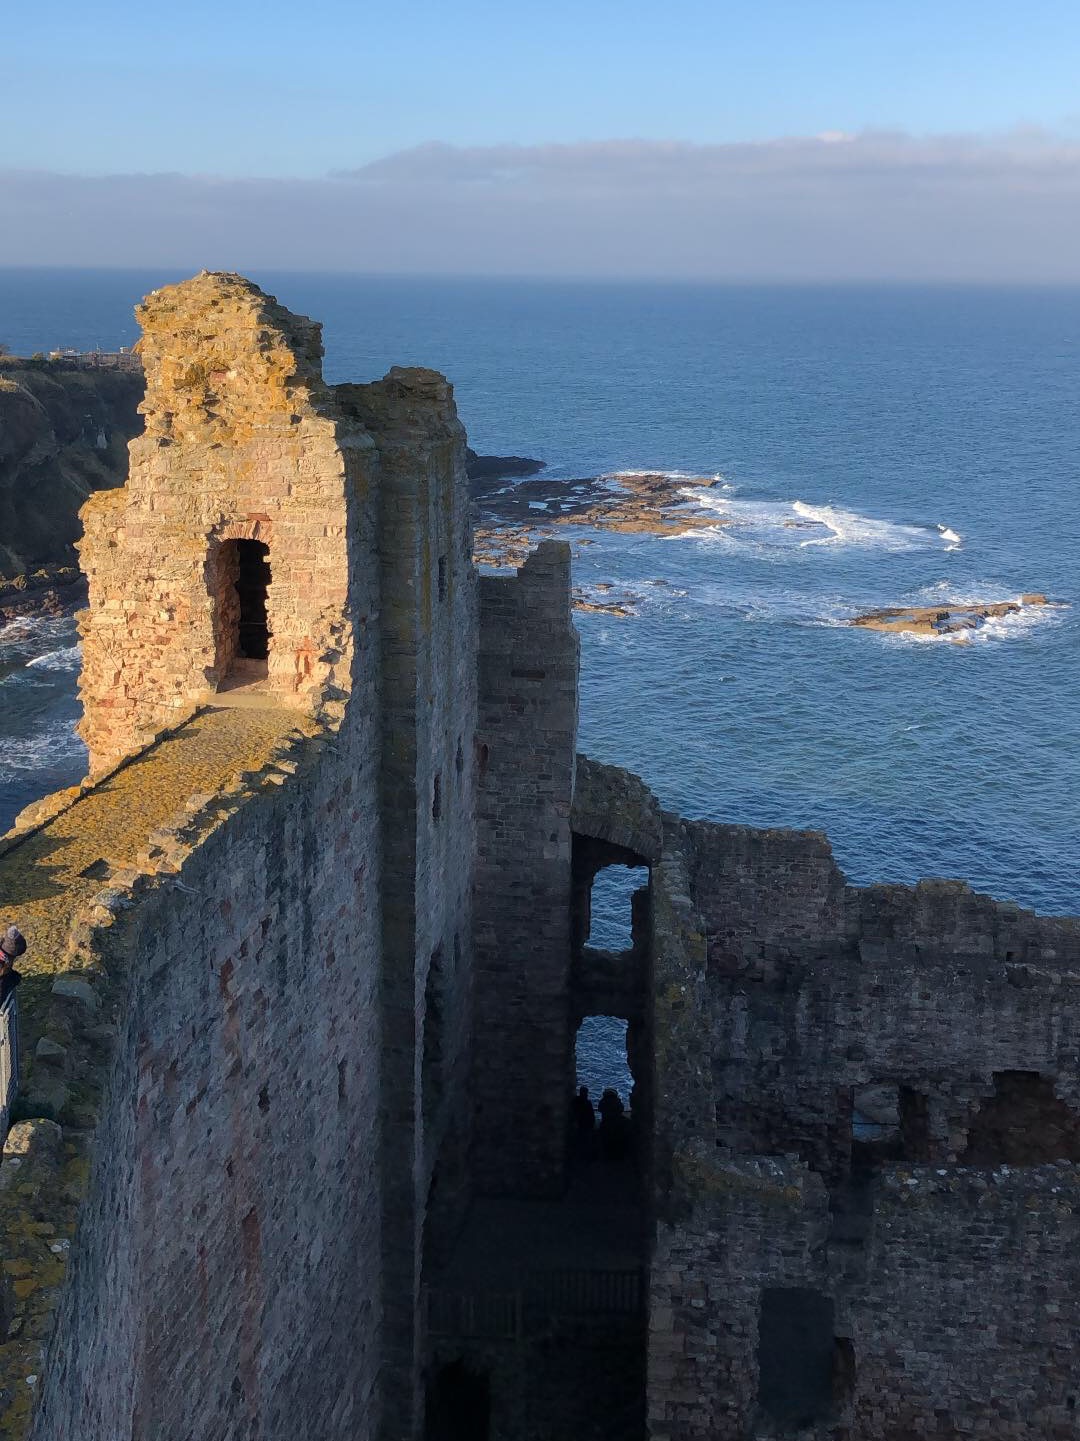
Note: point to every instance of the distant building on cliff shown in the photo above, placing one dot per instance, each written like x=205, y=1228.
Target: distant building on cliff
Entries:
x=310, y=950
x=122, y=359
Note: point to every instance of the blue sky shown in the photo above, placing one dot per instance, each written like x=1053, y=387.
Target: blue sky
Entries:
x=275, y=89
x=783, y=139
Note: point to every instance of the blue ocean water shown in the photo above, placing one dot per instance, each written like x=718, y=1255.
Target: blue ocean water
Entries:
x=875, y=446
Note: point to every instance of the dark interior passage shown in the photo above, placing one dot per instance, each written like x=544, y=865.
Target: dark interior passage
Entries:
x=252, y=581
x=458, y=1405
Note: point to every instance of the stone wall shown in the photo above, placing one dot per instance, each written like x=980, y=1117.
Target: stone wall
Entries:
x=428, y=661
x=522, y=1063
x=225, y=1275
x=842, y=1039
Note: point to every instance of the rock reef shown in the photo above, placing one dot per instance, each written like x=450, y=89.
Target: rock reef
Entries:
x=512, y=519
x=956, y=619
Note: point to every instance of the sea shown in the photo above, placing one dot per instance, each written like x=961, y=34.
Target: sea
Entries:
x=870, y=446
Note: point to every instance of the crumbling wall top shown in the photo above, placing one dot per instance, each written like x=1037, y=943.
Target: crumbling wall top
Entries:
x=220, y=355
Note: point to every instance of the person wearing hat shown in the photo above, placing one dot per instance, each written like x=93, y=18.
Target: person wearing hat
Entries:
x=12, y=945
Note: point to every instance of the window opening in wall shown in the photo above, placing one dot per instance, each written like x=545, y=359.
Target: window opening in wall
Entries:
x=610, y=906
x=436, y=798
x=442, y=577
x=797, y=1364
x=889, y=1123
x=875, y=1113
x=458, y=1405
x=914, y=1124
x=602, y=1104
x=1023, y=1124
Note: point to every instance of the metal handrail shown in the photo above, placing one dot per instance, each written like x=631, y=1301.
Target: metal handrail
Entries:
x=9, y=1061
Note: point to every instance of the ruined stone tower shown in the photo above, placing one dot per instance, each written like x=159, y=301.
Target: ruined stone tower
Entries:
x=247, y=471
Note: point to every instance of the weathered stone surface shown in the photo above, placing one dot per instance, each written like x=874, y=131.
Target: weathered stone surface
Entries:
x=778, y=1034
x=613, y=805
x=75, y=989
x=526, y=732
x=274, y=909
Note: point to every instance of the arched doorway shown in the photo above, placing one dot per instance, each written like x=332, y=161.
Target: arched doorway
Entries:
x=240, y=582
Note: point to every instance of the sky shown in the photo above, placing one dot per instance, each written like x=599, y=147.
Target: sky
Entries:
x=800, y=139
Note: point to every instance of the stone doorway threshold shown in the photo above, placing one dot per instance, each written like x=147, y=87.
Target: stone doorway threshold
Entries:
x=247, y=686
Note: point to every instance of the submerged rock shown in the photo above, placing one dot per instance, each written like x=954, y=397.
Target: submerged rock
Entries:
x=500, y=467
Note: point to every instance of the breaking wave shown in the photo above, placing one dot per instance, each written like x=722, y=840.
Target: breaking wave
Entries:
x=50, y=747
x=66, y=659
x=847, y=527
x=793, y=525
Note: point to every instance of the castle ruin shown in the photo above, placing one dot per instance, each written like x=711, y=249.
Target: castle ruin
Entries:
x=310, y=948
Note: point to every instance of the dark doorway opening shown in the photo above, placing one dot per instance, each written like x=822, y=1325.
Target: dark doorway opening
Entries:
x=796, y=1363
x=458, y=1405
x=252, y=582
x=602, y=1119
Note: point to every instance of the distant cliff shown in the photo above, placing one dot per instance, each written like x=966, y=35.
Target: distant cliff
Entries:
x=63, y=434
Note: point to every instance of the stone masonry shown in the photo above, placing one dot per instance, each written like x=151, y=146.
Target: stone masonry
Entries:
x=868, y=1109
x=243, y=441
x=523, y=1048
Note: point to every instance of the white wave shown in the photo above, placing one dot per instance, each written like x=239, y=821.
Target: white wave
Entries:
x=783, y=525
x=707, y=481
x=847, y=527
x=948, y=593
x=66, y=659
x=34, y=635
